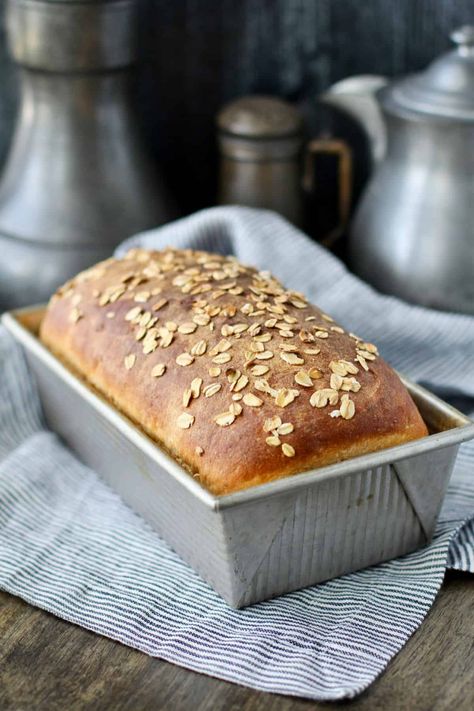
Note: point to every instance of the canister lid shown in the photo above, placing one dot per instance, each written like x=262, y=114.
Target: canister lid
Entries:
x=444, y=90
x=260, y=117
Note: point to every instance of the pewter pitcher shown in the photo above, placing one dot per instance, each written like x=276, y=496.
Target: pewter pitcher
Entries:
x=78, y=179
x=413, y=233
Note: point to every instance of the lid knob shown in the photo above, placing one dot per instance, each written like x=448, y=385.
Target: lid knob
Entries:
x=464, y=38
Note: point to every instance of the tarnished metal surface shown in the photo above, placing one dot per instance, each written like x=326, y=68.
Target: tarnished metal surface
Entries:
x=270, y=539
x=78, y=179
x=412, y=233
x=260, y=138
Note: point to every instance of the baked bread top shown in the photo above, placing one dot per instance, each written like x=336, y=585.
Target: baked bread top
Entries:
x=239, y=379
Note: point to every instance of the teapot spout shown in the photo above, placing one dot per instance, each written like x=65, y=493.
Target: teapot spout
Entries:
x=356, y=96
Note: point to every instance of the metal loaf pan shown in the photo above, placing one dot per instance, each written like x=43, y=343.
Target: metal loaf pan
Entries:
x=270, y=539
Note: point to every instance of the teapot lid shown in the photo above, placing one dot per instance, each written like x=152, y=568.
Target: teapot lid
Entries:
x=444, y=90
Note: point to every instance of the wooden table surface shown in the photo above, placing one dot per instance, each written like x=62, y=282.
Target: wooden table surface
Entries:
x=48, y=665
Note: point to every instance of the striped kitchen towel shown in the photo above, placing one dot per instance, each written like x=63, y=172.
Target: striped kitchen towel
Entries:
x=69, y=545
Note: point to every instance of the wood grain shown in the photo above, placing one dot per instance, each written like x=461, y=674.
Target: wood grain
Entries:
x=47, y=664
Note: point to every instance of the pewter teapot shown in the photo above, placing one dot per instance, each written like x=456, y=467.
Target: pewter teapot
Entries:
x=413, y=232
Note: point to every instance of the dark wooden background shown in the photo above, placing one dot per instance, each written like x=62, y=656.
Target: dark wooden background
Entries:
x=197, y=54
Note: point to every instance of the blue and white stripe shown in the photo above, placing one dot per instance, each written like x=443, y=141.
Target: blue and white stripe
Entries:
x=70, y=546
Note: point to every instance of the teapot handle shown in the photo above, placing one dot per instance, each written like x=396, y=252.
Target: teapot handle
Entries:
x=356, y=97
x=331, y=146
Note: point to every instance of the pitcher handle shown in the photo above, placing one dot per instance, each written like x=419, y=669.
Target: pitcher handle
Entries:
x=332, y=146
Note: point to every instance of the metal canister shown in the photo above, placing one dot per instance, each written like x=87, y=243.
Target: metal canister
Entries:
x=260, y=140
x=77, y=180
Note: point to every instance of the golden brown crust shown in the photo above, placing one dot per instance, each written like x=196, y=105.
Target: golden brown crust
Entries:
x=179, y=341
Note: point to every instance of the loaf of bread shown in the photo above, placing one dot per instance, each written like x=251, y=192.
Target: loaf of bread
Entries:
x=239, y=379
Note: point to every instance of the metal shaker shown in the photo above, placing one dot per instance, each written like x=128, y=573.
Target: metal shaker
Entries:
x=77, y=180
x=265, y=161
x=260, y=139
